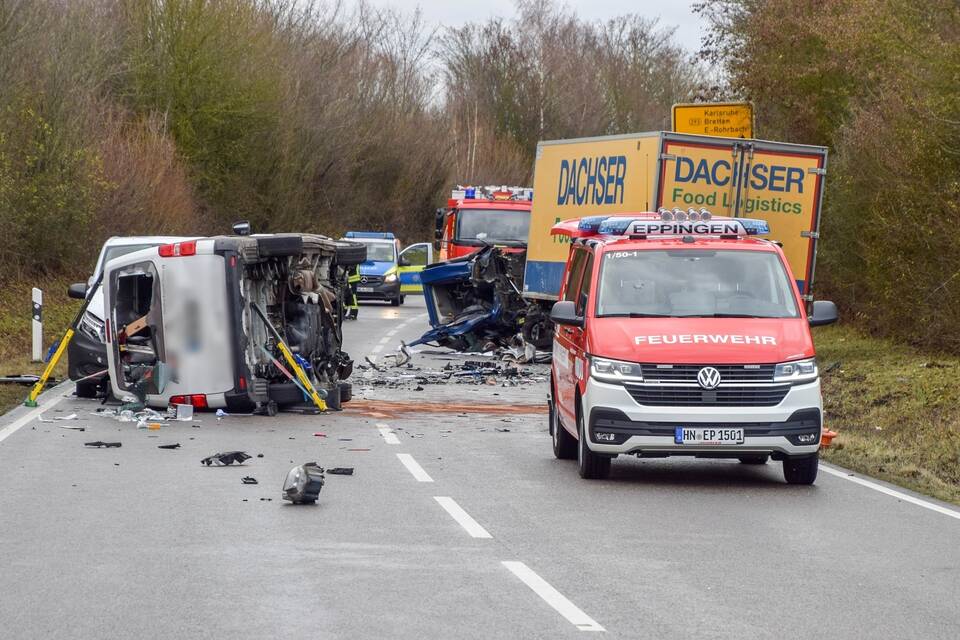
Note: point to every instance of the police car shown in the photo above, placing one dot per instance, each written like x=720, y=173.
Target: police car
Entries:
x=683, y=334
x=389, y=273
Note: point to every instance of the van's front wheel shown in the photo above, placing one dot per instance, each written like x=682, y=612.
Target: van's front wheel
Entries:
x=801, y=470
x=564, y=446
x=591, y=465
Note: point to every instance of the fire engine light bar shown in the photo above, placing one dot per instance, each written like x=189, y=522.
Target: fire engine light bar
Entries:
x=665, y=222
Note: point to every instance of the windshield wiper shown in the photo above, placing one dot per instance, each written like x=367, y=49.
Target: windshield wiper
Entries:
x=723, y=315
x=638, y=315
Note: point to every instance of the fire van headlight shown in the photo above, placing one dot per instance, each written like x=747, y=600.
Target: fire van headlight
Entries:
x=615, y=371
x=797, y=371
x=390, y=278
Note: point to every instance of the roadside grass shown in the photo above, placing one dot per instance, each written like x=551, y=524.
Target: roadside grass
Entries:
x=896, y=409
x=15, y=306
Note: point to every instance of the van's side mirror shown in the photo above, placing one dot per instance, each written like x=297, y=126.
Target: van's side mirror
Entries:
x=565, y=312
x=241, y=228
x=824, y=312
x=78, y=290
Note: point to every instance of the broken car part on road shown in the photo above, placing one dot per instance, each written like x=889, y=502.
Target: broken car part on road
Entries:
x=226, y=458
x=303, y=483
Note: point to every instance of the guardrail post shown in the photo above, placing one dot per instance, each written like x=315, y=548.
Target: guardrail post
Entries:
x=37, y=322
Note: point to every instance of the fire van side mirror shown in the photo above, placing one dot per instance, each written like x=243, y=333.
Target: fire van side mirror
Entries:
x=824, y=312
x=565, y=312
x=77, y=290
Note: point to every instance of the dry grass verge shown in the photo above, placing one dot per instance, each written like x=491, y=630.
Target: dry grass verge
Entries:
x=897, y=410
x=15, y=307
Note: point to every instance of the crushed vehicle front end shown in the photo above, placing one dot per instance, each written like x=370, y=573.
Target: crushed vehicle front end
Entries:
x=183, y=330
x=474, y=302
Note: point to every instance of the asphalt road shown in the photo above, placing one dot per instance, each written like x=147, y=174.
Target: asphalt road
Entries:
x=458, y=523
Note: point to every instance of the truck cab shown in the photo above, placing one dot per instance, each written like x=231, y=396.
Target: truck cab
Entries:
x=681, y=334
x=476, y=217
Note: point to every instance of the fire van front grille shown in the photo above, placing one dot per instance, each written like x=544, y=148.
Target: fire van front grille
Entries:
x=662, y=395
x=688, y=372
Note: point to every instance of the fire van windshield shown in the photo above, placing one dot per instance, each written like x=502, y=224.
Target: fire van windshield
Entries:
x=694, y=284
x=493, y=226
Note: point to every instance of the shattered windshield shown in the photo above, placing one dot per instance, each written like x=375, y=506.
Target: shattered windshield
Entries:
x=381, y=251
x=694, y=284
x=493, y=226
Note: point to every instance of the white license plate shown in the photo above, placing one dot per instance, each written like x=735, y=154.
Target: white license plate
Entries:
x=364, y=289
x=708, y=435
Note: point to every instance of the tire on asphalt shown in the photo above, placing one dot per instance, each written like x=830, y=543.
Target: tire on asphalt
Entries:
x=564, y=444
x=395, y=302
x=402, y=298
x=350, y=254
x=86, y=390
x=346, y=392
x=754, y=459
x=590, y=465
x=801, y=470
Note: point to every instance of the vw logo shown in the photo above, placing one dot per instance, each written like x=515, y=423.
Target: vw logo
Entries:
x=363, y=279
x=709, y=378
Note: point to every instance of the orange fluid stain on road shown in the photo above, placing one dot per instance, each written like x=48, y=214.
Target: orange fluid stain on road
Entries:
x=392, y=408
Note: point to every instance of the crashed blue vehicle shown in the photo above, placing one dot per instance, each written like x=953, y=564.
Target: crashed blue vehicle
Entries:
x=474, y=302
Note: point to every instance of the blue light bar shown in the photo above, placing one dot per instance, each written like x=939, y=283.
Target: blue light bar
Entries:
x=755, y=227
x=469, y=193
x=591, y=223
x=614, y=226
x=374, y=235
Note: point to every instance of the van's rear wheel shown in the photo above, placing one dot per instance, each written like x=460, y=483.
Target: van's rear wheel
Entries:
x=350, y=254
x=564, y=446
x=801, y=470
x=591, y=465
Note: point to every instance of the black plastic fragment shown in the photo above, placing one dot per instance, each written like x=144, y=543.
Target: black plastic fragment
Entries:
x=226, y=458
x=341, y=471
x=175, y=445
x=248, y=480
x=99, y=444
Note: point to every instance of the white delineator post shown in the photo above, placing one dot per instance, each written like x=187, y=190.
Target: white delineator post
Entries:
x=37, y=323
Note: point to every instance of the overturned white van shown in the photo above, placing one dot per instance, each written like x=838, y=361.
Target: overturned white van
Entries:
x=180, y=327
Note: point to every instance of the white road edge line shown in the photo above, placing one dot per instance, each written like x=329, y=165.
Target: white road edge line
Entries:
x=414, y=468
x=891, y=492
x=388, y=435
x=17, y=424
x=552, y=597
x=463, y=518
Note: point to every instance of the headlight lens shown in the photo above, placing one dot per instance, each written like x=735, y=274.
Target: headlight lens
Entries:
x=92, y=326
x=616, y=371
x=796, y=371
x=391, y=278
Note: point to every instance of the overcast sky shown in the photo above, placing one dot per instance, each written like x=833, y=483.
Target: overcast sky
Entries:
x=674, y=13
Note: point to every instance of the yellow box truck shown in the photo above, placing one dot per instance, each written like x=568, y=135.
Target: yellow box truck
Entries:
x=774, y=181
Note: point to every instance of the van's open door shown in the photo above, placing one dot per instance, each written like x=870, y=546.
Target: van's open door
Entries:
x=417, y=256
x=134, y=324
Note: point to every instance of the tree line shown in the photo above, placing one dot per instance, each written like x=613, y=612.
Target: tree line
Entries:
x=123, y=117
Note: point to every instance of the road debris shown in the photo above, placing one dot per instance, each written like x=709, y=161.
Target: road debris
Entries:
x=101, y=445
x=226, y=458
x=303, y=483
x=175, y=445
x=341, y=471
x=249, y=480
x=71, y=428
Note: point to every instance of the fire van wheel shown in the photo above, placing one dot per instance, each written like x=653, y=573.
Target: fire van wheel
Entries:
x=564, y=446
x=591, y=466
x=801, y=470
